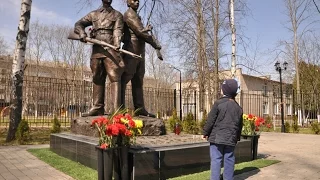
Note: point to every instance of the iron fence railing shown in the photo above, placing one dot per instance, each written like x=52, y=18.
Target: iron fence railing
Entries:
x=44, y=98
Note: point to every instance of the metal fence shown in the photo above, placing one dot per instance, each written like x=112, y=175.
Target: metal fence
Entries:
x=45, y=97
x=66, y=99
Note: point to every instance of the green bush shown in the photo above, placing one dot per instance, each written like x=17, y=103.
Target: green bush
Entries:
x=23, y=132
x=203, y=120
x=172, y=121
x=268, y=125
x=189, y=125
x=315, y=127
x=287, y=127
x=295, y=126
x=56, y=126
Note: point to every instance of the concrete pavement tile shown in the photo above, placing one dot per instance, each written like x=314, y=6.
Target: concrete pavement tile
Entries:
x=20, y=166
x=8, y=175
x=3, y=169
x=16, y=172
x=27, y=172
x=36, y=178
x=24, y=178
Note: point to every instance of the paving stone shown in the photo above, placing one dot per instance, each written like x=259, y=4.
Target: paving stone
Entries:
x=17, y=163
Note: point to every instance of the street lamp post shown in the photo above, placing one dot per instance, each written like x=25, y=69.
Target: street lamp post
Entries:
x=179, y=91
x=279, y=69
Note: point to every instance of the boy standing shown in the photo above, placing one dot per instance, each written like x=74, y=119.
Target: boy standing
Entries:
x=223, y=130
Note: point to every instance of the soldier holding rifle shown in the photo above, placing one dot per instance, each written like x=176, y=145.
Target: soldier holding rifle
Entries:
x=106, y=61
x=135, y=38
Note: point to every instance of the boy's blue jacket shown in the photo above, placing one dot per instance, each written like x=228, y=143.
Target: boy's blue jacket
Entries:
x=224, y=123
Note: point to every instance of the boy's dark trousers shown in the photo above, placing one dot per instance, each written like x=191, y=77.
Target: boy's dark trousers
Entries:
x=217, y=153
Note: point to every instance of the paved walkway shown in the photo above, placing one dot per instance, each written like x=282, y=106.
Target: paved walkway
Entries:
x=299, y=156
x=17, y=163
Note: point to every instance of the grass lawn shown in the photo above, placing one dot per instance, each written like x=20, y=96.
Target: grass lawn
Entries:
x=37, y=136
x=239, y=168
x=302, y=130
x=71, y=168
x=80, y=172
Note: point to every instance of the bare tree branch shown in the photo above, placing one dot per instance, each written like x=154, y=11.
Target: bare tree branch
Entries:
x=316, y=5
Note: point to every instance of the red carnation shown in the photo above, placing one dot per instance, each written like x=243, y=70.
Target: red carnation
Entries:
x=269, y=125
x=257, y=123
x=132, y=124
x=128, y=133
x=104, y=146
x=127, y=116
x=250, y=116
x=122, y=128
x=117, y=118
x=99, y=121
x=109, y=131
x=114, y=130
x=93, y=122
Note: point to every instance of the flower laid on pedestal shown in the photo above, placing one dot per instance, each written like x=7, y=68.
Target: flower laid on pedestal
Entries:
x=251, y=130
x=116, y=133
x=117, y=130
x=253, y=124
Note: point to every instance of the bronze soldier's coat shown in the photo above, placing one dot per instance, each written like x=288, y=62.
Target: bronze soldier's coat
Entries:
x=135, y=38
x=108, y=26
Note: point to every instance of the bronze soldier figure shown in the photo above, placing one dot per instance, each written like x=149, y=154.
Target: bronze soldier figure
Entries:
x=135, y=38
x=107, y=25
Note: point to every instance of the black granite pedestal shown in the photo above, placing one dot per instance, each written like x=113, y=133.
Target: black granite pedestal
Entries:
x=154, y=157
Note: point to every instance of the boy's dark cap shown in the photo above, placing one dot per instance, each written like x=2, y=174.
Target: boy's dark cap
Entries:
x=230, y=87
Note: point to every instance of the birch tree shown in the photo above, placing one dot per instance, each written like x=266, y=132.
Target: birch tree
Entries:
x=233, y=39
x=299, y=20
x=18, y=68
x=37, y=49
x=316, y=5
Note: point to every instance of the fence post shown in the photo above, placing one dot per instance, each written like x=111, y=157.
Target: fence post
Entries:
x=175, y=98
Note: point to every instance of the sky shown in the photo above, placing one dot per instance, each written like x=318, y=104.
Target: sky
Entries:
x=265, y=22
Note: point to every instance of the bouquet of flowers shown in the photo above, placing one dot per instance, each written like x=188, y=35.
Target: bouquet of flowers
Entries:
x=118, y=130
x=252, y=124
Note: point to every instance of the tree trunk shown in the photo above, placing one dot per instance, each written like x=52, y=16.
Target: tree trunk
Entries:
x=201, y=54
x=215, y=17
x=233, y=39
x=18, y=68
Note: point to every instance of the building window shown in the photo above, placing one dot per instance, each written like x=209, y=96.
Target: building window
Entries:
x=288, y=91
x=265, y=108
x=188, y=108
x=264, y=90
x=3, y=80
x=275, y=91
x=288, y=108
x=276, y=108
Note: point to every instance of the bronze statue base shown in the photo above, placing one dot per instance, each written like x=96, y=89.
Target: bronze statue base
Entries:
x=151, y=126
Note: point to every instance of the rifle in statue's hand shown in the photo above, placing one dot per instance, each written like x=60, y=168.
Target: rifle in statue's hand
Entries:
x=149, y=28
x=74, y=36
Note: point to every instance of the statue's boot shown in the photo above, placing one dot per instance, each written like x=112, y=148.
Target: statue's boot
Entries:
x=143, y=112
x=98, y=102
x=138, y=100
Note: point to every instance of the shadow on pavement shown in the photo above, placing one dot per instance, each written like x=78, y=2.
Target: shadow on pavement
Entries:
x=246, y=172
x=263, y=156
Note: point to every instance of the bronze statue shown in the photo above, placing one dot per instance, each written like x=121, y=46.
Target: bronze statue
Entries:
x=135, y=37
x=107, y=25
